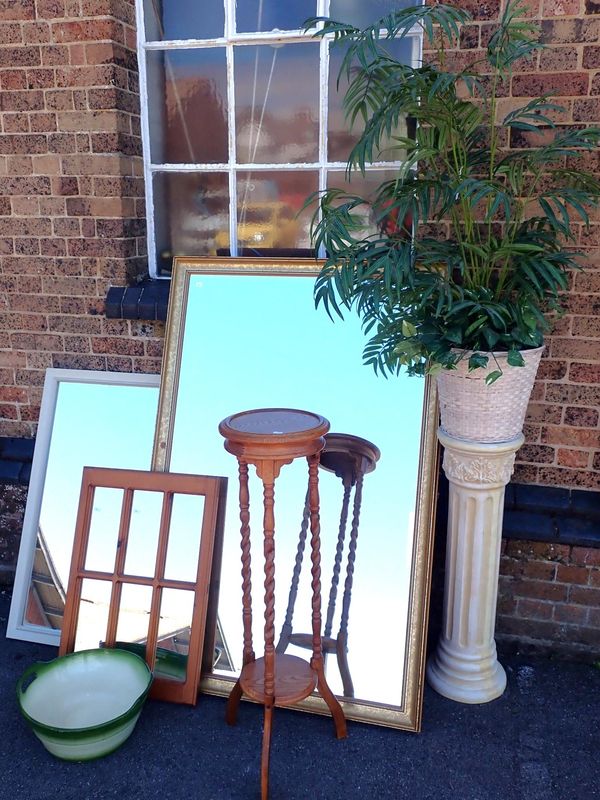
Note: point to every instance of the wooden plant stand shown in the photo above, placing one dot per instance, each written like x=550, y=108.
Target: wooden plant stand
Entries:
x=270, y=438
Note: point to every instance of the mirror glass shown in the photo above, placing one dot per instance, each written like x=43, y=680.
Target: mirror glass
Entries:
x=87, y=418
x=245, y=334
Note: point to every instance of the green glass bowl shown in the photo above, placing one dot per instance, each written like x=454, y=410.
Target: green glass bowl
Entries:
x=84, y=705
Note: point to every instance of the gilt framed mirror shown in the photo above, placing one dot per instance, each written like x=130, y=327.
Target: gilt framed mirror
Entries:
x=87, y=418
x=242, y=334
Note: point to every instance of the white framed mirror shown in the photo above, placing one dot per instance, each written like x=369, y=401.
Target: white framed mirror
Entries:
x=87, y=418
x=242, y=334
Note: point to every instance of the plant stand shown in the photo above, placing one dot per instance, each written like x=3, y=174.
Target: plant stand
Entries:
x=465, y=666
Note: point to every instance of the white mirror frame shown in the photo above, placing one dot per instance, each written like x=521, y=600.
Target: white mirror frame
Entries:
x=406, y=715
x=18, y=627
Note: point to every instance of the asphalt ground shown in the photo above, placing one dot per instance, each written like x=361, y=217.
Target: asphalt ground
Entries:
x=539, y=741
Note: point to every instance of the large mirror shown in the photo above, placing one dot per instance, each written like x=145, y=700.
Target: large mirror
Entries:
x=244, y=334
x=87, y=418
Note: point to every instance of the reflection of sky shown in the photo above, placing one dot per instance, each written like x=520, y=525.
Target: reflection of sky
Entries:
x=256, y=341
x=94, y=425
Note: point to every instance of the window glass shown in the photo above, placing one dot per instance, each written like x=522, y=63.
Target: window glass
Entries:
x=268, y=15
x=187, y=106
x=277, y=103
x=183, y=19
x=363, y=186
x=340, y=137
x=268, y=203
x=361, y=13
x=191, y=213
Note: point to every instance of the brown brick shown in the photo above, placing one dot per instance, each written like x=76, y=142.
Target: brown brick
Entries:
x=576, y=349
x=117, y=346
x=569, y=31
x=87, y=31
x=573, y=458
x=542, y=412
x=586, y=110
x=559, y=58
x=36, y=32
x=42, y=123
x=556, y=84
x=570, y=437
x=591, y=56
x=78, y=361
x=54, y=55
x=119, y=364
x=539, y=454
x=581, y=417
x=75, y=324
x=568, y=478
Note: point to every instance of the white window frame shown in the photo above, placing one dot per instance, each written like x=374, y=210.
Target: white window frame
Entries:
x=229, y=41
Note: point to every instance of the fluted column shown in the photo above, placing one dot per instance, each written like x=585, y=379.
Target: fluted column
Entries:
x=465, y=666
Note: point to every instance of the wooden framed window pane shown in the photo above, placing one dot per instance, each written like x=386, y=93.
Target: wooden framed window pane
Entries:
x=183, y=19
x=277, y=103
x=134, y=612
x=192, y=213
x=143, y=534
x=104, y=530
x=93, y=614
x=187, y=105
x=268, y=205
x=257, y=15
x=184, y=538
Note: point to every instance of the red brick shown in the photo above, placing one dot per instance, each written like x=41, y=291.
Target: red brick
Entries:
x=570, y=436
x=570, y=573
x=576, y=348
x=567, y=478
x=534, y=609
x=587, y=556
x=542, y=412
x=573, y=615
x=87, y=31
x=540, y=590
x=117, y=346
x=585, y=596
x=581, y=417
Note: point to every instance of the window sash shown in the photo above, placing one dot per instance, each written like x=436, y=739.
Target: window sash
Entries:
x=229, y=42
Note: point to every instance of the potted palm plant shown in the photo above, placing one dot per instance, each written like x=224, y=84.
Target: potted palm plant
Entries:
x=466, y=270
x=474, y=235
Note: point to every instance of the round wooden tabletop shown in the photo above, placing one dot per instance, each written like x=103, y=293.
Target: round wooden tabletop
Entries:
x=276, y=433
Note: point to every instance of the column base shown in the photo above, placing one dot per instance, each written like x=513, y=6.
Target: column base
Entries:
x=466, y=678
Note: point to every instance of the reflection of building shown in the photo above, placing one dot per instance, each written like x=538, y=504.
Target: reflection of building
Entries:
x=46, y=598
x=46, y=606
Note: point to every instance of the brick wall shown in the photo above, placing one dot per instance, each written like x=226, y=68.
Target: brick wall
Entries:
x=549, y=598
x=72, y=225
x=71, y=196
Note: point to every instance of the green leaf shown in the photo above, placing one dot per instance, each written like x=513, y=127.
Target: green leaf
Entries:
x=492, y=377
x=515, y=359
x=477, y=360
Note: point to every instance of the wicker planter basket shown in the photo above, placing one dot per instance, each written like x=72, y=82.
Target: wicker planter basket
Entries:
x=472, y=410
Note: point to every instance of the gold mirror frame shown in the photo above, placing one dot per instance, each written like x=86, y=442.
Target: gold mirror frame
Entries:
x=406, y=715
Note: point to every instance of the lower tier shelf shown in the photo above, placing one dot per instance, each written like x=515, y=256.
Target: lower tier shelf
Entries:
x=294, y=679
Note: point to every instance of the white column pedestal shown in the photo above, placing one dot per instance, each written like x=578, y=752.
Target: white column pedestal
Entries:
x=465, y=666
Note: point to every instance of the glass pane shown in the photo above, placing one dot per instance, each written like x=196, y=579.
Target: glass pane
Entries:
x=184, y=538
x=174, y=633
x=364, y=12
x=134, y=613
x=183, y=19
x=277, y=103
x=268, y=203
x=258, y=15
x=93, y=614
x=364, y=186
x=143, y=533
x=104, y=529
x=341, y=139
x=191, y=213
x=187, y=106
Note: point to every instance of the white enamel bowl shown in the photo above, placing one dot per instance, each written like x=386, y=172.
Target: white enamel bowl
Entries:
x=84, y=705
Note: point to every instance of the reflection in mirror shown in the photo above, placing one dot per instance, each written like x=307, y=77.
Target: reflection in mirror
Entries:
x=86, y=418
x=244, y=334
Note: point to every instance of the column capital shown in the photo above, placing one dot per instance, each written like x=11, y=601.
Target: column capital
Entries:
x=479, y=465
